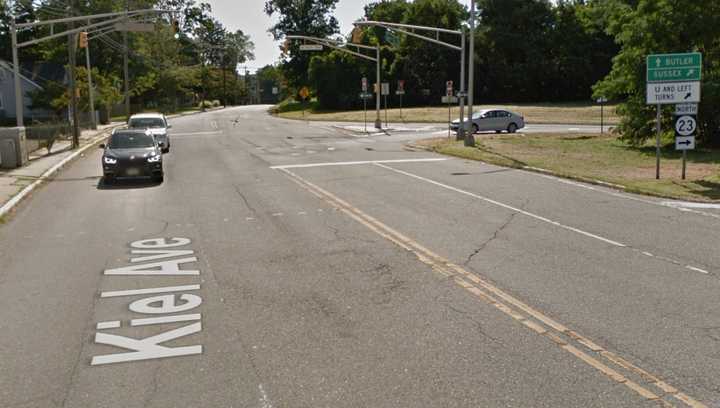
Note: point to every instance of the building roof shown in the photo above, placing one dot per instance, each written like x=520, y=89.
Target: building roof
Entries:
x=9, y=67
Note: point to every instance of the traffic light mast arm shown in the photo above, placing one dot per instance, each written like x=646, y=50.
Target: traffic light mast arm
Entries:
x=122, y=17
x=407, y=30
x=335, y=45
x=91, y=17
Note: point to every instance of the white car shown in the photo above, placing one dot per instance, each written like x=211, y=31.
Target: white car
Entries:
x=156, y=123
x=493, y=120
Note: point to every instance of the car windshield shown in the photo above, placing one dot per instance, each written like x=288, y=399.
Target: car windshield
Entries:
x=147, y=123
x=131, y=141
x=479, y=114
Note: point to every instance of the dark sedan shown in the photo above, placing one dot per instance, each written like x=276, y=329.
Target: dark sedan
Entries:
x=132, y=154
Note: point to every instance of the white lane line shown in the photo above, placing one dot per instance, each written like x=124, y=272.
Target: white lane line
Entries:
x=195, y=133
x=134, y=292
x=264, y=400
x=115, y=324
x=351, y=163
x=683, y=204
x=692, y=268
x=506, y=206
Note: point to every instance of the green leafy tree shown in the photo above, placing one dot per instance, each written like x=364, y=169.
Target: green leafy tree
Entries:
x=661, y=26
x=306, y=17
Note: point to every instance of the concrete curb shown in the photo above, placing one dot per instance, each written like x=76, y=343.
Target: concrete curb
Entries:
x=49, y=173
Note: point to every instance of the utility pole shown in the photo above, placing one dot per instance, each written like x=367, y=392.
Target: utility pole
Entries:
x=91, y=96
x=19, y=99
x=378, y=123
x=72, y=49
x=470, y=137
x=224, y=80
x=463, y=91
x=126, y=69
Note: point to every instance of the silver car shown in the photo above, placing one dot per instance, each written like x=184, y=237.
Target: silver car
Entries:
x=156, y=123
x=493, y=119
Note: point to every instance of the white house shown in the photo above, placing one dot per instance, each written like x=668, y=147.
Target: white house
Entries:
x=7, y=93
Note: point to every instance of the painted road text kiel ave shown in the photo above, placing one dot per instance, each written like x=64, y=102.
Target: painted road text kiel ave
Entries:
x=162, y=302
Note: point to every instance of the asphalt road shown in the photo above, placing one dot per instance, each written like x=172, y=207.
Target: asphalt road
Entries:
x=284, y=264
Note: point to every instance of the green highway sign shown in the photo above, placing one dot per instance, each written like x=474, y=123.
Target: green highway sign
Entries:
x=674, y=67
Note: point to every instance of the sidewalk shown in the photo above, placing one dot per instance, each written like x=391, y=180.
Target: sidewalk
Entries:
x=42, y=165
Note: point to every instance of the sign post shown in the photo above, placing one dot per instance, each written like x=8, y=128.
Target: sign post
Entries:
x=365, y=96
x=673, y=79
x=449, y=99
x=602, y=100
x=685, y=130
x=400, y=92
x=385, y=92
x=304, y=93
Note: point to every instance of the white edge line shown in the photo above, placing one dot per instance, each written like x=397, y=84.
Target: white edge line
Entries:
x=692, y=268
x=14, y=201
x=509, y=207
x=351, y=163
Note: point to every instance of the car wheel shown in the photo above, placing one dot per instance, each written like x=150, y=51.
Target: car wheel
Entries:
x=512, y=128
x=108, y=179
x=159, y=178
x=166, y=150
x=498, y=131
x=475, y=128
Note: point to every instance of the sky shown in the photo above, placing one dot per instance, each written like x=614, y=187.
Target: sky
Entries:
x=248, y=16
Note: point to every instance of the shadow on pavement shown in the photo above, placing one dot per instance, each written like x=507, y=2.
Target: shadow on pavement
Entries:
x=126, y=184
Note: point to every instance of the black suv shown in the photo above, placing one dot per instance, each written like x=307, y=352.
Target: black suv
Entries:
x=132, y=154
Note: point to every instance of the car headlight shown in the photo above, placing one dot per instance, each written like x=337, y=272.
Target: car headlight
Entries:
x=154, y=159
x=109, y=160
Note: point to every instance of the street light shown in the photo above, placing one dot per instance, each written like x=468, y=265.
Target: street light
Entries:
x=409, y=30
x=338, y=45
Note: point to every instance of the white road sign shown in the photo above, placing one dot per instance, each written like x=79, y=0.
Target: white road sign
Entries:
x=685, y=125
x=311, y=47
x=364, y=85
x=386, y=88
x=686, y=109
x=449, y=99
x=685, y=143
x=665, y=93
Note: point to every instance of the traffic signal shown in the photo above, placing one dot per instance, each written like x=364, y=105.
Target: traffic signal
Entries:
x=83, y=39
x=357, y=35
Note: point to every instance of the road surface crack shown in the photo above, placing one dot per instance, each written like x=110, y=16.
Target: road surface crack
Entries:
x=494, y=236
x=245, y=200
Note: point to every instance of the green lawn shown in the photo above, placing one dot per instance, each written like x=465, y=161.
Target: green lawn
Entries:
x=603, y=158
x=555, y=113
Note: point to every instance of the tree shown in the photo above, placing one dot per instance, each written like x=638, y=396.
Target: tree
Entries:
x=653, y=27
x=307, y=17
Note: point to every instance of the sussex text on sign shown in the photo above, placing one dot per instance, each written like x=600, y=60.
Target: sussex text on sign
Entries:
x=674, y=67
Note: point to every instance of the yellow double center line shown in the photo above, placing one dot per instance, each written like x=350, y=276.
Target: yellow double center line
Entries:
x=644, y=383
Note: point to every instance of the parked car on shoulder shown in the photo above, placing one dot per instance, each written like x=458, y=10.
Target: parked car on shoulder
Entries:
x=493, y=120
x=132, y=153
x=156, y=123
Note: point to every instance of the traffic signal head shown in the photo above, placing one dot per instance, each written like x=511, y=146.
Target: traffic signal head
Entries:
x=83, y=39
x=175, y=27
